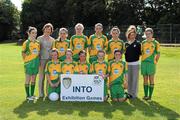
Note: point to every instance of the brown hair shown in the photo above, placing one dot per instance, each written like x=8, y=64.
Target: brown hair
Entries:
x=31, y=29
x=82, y=52
x=55, y=50
x=117, y=51
x=101, y=51
x=47, y=26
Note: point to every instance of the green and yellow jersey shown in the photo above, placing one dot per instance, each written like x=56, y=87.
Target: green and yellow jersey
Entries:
x=61, y=46
x=117, y=71
x=149, y=50
x=84, y=68
x=99, y=68
x=53, y=70
x=69, y=68
x=97, y=44
x=114, y=45
x=31, y=49
x=78, y=43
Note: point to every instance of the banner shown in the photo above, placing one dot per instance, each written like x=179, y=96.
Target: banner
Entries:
x=76, y=87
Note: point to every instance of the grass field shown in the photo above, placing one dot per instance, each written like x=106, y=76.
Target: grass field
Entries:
x=164, y=106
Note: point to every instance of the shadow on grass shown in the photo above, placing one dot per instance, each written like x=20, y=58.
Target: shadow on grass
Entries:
x=43, y=108
x=150, y=108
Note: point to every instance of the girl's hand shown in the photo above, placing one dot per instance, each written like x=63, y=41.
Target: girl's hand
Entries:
x=57, y=84
x=125, y=84
x=104, y=76
x=52, y=85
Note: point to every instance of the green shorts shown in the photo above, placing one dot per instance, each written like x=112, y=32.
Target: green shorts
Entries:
x=148, y=68
x=117, y=91
x=32, y=67
x=57, y=89
x=92, y=59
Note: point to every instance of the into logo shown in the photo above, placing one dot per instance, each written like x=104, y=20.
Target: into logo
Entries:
x=67, y=82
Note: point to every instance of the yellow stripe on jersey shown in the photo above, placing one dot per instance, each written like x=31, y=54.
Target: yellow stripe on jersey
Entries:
x=117, y=70
x=149, y=50
x=31, y=49
x=53, y=69
x=99, y=68
x=78, y=43
x=97, y=44
x=84, y=68
x=114, y=45
x=69, y=68
x=62, y=46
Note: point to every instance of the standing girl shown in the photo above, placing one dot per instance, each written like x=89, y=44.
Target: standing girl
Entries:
x=62, y=43
x=78, y=41
x=115, y=43
x=150, y=57
x=30, y=54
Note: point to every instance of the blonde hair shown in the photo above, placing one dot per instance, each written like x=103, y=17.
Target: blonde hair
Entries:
x=98, y=24
x=69, y=50
x=132, y=27
x=79, y=25
x=63, y=29
x=129, y=32
x=149, y=30
x=115, y=28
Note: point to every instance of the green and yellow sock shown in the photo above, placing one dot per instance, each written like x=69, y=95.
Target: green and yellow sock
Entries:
x=146, y=87
x=151, y=88
x=32, y=88
x=27, y=90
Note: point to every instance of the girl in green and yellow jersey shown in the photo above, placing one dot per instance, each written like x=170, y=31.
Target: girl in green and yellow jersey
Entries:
x=30, y=54
x=97, y=42
x=62, y=43
x=52, y=73
x=78, y=41
x=150, y=49
x=117, y=77
x=115, y=43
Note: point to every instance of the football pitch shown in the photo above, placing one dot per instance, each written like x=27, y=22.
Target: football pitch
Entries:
x=165, y=104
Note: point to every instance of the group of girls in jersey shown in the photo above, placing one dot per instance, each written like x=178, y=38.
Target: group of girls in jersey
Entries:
x=95, y=54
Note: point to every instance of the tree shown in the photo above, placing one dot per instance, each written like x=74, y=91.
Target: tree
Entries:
x=9, y=19
x=123, y=12
x=62, y=13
